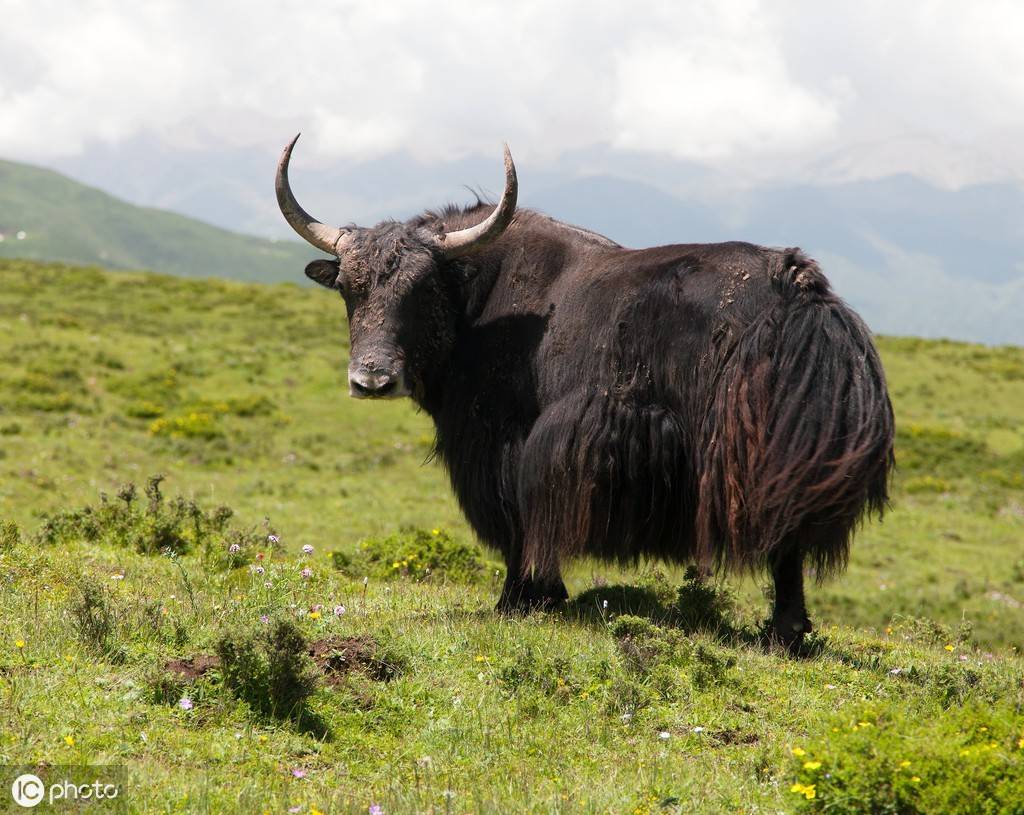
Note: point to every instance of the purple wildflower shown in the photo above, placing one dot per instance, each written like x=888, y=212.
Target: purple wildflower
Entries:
x=298, y=772
x=376, y=809
x=307, y=573
x=307, y=549
x=234, y=549
x=264, y=618
x=339, y=610
x=258, y=570
x=185, y=703
x=273, y=538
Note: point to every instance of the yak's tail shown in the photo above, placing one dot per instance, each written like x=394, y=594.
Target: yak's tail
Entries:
x=797, y=438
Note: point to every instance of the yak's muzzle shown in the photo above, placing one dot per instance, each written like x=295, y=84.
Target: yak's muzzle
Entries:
x=369, y=383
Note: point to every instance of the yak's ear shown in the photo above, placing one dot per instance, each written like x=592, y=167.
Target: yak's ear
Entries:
x=324, y=272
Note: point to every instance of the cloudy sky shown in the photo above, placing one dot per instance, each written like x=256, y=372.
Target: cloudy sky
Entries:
x=753, y=90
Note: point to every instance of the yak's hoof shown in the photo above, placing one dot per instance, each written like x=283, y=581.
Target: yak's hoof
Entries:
x=531, y=598
x=790, y=632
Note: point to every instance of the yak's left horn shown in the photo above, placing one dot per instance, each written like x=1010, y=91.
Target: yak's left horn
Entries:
x=463, y=240
x=330, y=239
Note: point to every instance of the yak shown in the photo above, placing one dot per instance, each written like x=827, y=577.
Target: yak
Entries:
x=714, y=404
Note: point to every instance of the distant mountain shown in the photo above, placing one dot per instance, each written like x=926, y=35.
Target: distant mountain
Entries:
x=914, y=259
x=47, y=216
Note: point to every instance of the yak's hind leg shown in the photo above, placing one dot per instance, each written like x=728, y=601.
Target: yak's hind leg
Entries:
x=825, y=544
x=789, y=616
x=525, y=592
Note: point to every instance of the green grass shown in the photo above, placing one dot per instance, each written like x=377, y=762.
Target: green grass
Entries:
x=69, y=222
x=427, y=701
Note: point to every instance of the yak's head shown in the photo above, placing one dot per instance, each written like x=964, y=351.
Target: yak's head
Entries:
x=395, y=281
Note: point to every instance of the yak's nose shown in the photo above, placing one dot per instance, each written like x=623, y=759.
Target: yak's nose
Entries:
x=368, y=384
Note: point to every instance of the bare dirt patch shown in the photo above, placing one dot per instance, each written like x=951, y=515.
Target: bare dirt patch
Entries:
x=192, y=668
x=339, y=656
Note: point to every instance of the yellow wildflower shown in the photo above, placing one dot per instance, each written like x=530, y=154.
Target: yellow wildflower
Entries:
x=315, y=615
x=798, y=751
x=812, y=765
x=19, y=643
x=948, y=647
x=263, y=738
x=915, y=778
x=435, y=531
x=904, y=763
x=69, y=741
x=480, y=658
x=1020, y=744
x=806, y=790
x=864, y=724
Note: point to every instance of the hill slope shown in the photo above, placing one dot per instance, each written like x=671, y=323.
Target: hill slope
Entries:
x=907, y=699
x=912, y=258
x=70, y=222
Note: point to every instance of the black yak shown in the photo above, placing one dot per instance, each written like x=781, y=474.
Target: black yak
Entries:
x=714, y=403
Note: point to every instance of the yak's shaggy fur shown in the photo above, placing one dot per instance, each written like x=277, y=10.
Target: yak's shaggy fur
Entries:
x=708, y=402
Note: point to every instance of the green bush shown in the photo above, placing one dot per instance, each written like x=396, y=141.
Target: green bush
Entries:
x=703, y=606
x=416, y=554
x=269, y=668
x=154, y=526
x=965, y=760
x=193, y=425
x=96, y=619
x=10, y=535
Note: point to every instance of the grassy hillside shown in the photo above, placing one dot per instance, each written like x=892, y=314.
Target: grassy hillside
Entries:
x=65, y=221
x=372, y=671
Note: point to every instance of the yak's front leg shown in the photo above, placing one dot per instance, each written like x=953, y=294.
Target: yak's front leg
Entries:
x=528, y=590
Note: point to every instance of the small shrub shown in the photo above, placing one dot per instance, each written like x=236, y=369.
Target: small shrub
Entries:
x=703, y=606
x=155, y=526
x=416, y=554
x=269, y=669
x=965, y=760
x=194, y=425
x=10, y=535
x=525, y=669
x=144, y=409
x=668, y=658
x=930, y=632
x=95, y=618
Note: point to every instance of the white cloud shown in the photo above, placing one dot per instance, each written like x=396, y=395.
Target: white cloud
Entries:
x=822, y=90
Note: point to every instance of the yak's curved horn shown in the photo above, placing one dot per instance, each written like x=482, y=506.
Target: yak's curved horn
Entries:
x=330, y=239
x=462, y=240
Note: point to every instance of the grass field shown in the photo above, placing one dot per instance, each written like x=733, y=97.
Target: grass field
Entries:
x=372, y=672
